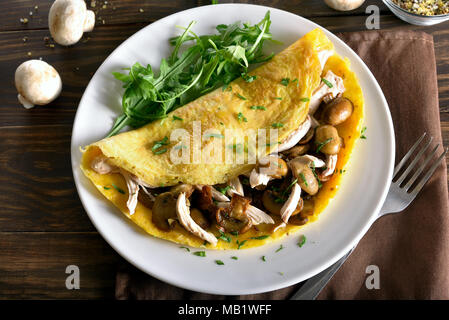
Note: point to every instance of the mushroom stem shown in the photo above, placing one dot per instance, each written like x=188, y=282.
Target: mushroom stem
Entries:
x=183, y=213
x=89, y=21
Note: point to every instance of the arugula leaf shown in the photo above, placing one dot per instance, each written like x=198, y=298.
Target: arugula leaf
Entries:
x=210, y=62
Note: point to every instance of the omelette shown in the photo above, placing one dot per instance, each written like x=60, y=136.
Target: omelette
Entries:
x=242, y=165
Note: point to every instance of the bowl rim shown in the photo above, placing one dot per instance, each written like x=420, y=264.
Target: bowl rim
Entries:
x=390, y=2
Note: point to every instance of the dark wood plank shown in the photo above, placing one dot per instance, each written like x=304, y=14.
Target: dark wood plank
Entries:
x=32, y=265
x=135, y=11
x=113, y=12
x=37, y=192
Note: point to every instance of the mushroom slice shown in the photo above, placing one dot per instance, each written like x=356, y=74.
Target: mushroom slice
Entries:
x=236, y=187
x=292, y=202
x=324, y=90
x=133, y=191
x=216, y=195
x=294, y=137
x=234, y=218
x=164, y=209
x=258, y=216
x=183, y=213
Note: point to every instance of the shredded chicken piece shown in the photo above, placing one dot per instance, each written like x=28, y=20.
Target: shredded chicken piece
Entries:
x=258, y=216
x=331, y=163
x=279, y=226
x=262, y=176
x=294, y=137
x=236, y=187
x=101, y=165
x=183, y=213
x=292, y=202
x=133, y=191
x=323, y=56
x=308, y=160
x=324, y=90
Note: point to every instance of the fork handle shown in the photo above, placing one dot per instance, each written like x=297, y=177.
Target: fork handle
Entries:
x=313, y=286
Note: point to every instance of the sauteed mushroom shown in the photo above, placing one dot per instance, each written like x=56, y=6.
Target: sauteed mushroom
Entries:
x=291, y=204
x=269, y=167
x=199, y=218
x=306, y=179
x=297, y=151
x=337, y=111
x=327, y=139
x=164, y=208
x=234, y=218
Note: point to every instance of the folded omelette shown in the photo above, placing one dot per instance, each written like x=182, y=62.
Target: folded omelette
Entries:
x=306, y=92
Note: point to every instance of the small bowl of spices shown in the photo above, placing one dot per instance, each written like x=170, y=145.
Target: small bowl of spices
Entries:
x=420, y=12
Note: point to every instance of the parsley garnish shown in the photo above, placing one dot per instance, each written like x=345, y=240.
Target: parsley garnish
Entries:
x=302, y=241
x=187, y=249
x=241, y=117
x=234, y=258
x=278, y=98
x=240, y=96
x=248, y=78
x=224, y=237
x=277, y=125
x=305, y=99
x=176, y=118
x=280, y=248
x=362, y=133
x=224, y=190
x=327, y=83
x=260, y=237
x=297, y=82
x=285, y=81
x=118, y=189
x=240, y=244
x=200, y=253
x=263, y=259
x=303, y=179
x=214, y=135
x=219, y=262
x=158, y=145
x=106, y=188
x=322, y=144
x=258, y=108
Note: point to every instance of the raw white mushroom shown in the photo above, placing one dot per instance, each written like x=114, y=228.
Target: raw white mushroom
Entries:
x=344, y=5
x=183, y=213
x=37, y=82
x=68, y=20
x=292, y=202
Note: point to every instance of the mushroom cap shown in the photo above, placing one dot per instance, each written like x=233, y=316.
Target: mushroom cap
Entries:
x=38, y=82
x=344, y=5
x=68, y=19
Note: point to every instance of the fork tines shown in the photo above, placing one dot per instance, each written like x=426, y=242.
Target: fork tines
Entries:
x=413, y=165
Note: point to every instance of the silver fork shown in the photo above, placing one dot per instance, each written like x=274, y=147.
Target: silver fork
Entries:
x=399, y=196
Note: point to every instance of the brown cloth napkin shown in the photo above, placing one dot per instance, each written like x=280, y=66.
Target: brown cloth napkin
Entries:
x=410, y=249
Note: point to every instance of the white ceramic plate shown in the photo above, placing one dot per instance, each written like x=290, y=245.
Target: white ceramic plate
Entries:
x=339, y=227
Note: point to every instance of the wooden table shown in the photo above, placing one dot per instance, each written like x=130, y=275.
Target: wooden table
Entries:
x=43, y=226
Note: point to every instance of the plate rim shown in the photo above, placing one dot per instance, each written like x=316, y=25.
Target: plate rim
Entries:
x=282, y=283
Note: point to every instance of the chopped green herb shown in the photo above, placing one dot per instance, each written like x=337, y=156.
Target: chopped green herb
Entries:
x=260, y=237
x=316, y=175
x=277, y=125
x=234, y=233
x=248, y=78
x=302, y=241
x=219, y=262
x=303, y=179
x=362, y=133
x=278, y=98
x=176, y=118
x=241, y=117
x=263, y=259
x=322, y=144
x=214, y=1
x=289, y=187
x=238, y=147
x=285, y=81
x=327, y=83
x=240, y=96
x=180, y=147
x=200, y=253
x=106, y=188
x=281, y=273
x=234, y=258
x=258, y=108
x=214, y=135
x=187, y=249
x=158, y=144
x=297, y=82
x=222, y=123
x=280, y=248
x=272, y=144
x=240, y=244
x=224, y=190
x=118, y=189
x=224, y=237
x=305, y=99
